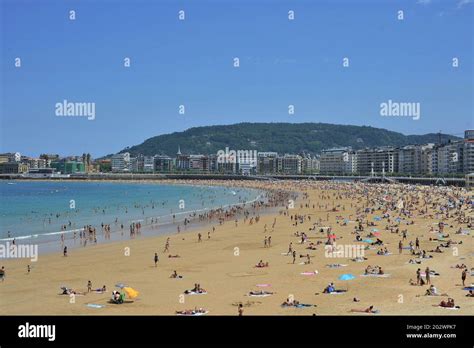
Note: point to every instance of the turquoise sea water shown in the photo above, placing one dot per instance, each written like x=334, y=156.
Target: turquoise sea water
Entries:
x=35, y=210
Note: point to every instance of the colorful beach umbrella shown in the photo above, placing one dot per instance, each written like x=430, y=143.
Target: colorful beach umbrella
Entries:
x=131, y=293
x=346, y=276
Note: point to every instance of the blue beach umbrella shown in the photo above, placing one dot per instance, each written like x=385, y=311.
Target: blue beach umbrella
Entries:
x=346, y=276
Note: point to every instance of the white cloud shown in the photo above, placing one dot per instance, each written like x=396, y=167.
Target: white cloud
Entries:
x=461, y=3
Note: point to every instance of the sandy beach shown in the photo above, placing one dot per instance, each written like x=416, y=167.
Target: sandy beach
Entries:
x=223, y=263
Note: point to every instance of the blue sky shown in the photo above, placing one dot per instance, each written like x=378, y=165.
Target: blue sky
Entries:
x=190, y=62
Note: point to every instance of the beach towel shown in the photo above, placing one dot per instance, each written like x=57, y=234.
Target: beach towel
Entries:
x=386, y=254
x=431, y=274
x=367, y=240
x=93, y=305
x=309, y=273
x=376, y=275
x=193, y=314
x=336, y=292
x=452, y=308
x=263, y=285
x=468, y=288
x=336, y=266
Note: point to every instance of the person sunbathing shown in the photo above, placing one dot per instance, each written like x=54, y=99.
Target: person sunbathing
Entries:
x=383, y=252
x=447, y=304
x=173, y=256
x=412, y=261
x=260, y=292
x=175, y=275
x=437, y=250
x=377, y=242
x=101, y=290
x=367, y=310
x=67, y=291
x=334, y=265
x=432, y=291
x=261, y=264
x=290, y=303
x=470, y=294
x=191, y=311
x=332, y=288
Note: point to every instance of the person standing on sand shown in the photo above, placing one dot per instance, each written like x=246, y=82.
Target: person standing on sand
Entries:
x=269, y=241
x=294, y=256
x=199, y=238
x=156, y=259
x=463, y=276
x=290, y=248
x=65, y=251
x=400, y=247
x=265, y=242
x=89, y=286
x=418, y=276
x=241, y=309
x=427, y=273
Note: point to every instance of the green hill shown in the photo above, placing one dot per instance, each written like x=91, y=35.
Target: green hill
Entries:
x=280, y=137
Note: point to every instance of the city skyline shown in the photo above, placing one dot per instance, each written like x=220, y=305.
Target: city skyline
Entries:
x=188, y=62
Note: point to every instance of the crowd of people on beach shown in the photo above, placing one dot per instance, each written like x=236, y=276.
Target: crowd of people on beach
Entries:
x=424, y=221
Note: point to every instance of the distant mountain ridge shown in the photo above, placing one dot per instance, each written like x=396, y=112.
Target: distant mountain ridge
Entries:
x=283, y=138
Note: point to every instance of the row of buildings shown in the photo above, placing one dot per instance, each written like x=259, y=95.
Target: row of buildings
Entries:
x=15, y=163
x=455, y=157
x=238, y=162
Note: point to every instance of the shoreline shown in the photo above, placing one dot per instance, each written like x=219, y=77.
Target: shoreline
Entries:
x=149, y=230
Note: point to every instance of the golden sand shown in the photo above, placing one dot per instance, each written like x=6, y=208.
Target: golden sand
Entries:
x=224, y=266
